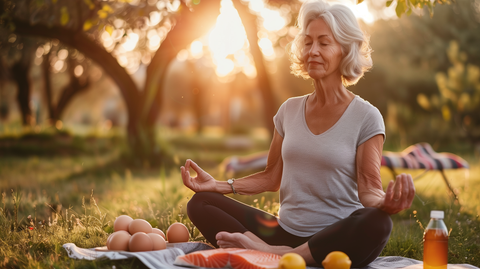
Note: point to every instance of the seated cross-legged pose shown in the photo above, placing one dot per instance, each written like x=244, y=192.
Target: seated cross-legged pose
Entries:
x=324, y=159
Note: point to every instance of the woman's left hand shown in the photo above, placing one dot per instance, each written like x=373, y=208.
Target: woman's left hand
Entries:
x=399, y=195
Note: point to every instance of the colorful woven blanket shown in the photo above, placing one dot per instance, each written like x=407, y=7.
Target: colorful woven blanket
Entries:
x=418, y=156
x=422, y=156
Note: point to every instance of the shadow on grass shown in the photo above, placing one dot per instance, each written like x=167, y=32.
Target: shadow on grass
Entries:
x=57, y=144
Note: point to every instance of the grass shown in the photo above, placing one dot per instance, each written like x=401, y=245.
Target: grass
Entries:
x=64, y=196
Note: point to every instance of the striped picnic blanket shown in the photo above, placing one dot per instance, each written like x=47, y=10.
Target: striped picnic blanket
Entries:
x=422, y=156
x=418, y=156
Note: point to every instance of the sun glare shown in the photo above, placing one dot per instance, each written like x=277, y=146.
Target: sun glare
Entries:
x=272, y=20
x=196, y=48
x=228, y=35
x=361, y=12
x=228, y=38
x=130, y=41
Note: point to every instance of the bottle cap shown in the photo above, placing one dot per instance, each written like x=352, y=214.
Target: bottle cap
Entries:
x=436, y=214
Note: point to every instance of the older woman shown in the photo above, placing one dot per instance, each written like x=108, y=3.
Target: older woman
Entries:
x=324, y=158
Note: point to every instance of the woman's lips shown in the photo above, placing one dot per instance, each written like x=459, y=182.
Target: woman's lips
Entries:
x=313, y=63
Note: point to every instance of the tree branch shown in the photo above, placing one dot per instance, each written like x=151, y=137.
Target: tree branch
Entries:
x=80, y=41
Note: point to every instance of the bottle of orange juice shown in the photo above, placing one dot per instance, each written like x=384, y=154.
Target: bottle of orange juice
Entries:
x=435, y=242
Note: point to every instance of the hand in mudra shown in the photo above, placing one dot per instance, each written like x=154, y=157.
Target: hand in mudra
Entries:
x=399, y=195
x=202, y=182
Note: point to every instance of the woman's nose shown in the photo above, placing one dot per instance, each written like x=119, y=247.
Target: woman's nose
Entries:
x=314, y=49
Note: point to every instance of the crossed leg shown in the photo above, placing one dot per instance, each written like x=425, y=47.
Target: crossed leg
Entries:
x=228, y=223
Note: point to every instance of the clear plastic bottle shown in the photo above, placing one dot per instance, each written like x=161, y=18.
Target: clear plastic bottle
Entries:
x=435, y=242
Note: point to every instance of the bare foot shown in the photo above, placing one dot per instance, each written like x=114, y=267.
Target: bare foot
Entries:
x=239, y=240
x=249, y=240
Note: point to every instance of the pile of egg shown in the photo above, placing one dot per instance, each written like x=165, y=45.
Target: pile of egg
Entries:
x=138, y=235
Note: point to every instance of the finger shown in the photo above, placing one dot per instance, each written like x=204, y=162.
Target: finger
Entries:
x=184, y=176
x=397, y=192
x=404, y=192
x=187, y=179
x=195, y=167
x=389, y=192
x=187, y=164
x=411, y=190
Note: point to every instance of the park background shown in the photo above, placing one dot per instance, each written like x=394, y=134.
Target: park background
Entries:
x=101, y=102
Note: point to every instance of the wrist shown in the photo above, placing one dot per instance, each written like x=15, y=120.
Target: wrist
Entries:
x=222, y=187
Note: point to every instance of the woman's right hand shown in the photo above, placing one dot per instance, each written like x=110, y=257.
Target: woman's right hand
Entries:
x=202, y=182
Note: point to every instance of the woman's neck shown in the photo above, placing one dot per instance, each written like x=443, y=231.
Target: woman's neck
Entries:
x=330, y=91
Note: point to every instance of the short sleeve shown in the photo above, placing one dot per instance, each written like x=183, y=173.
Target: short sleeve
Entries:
x=372, y=125
x=279, y=118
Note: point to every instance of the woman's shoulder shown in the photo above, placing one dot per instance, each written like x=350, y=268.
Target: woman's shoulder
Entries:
x=293, y=102
x=362, y=105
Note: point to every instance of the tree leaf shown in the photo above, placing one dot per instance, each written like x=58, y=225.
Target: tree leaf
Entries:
x=423, y=101
x=89, y=4
x=87, y=25
x=109, y=29
x=447, y=115
x=401, y=8
x=102, y=14
x=64, y=17
x=107, y=8
x=389, y=3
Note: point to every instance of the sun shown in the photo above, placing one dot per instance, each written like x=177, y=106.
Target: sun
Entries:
x=361, y=12
x=227, y=41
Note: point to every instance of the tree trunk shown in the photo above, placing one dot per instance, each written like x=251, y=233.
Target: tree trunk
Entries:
x=184, y=32
x=20, y=73
x=74, y=87
x=197, y=93
x=4, y=76
x=47, y=84
x=249, y=21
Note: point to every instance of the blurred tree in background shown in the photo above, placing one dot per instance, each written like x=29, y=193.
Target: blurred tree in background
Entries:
x=458, y=100
x=57, y=58
x=408, y=53
x=18, y=54
x=118, y=36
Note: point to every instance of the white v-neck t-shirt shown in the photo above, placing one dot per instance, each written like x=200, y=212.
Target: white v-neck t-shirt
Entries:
x=319, y=184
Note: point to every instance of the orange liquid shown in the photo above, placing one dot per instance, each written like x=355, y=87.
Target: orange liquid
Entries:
x=435, y=249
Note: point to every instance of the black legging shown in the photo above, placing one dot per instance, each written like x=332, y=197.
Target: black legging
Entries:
x=362, y=235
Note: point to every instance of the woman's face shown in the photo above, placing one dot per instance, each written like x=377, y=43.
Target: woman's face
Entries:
x=322, y=54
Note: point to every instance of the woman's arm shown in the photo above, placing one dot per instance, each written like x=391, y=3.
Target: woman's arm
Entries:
x=400, y=193
x=267, y=180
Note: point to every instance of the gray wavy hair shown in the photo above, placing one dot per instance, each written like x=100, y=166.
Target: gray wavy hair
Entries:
x=356, y=51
